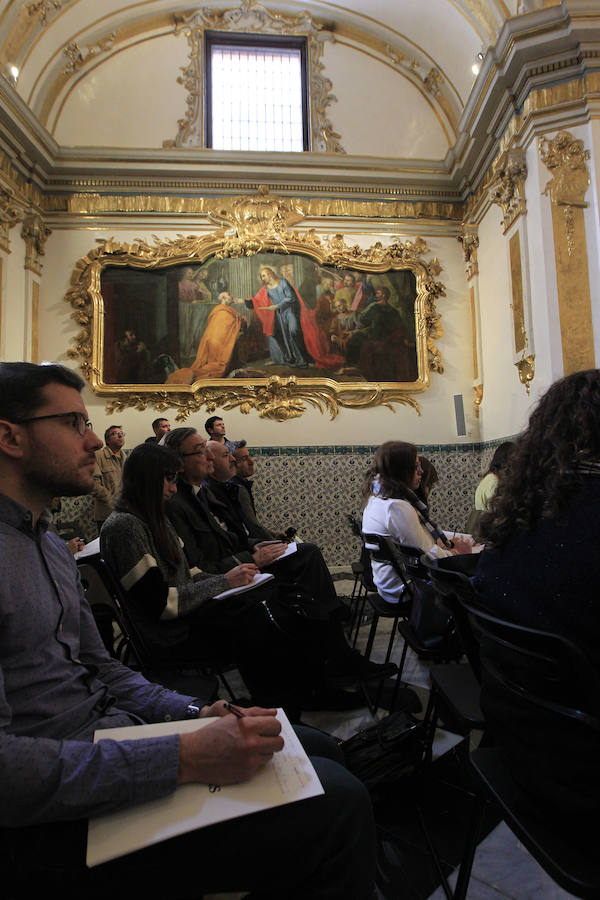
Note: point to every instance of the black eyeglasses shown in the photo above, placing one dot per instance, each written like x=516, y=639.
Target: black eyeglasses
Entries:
x=195, y=452
x=78, y=420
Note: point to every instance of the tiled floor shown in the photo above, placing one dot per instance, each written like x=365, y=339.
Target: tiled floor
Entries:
x=502, y=867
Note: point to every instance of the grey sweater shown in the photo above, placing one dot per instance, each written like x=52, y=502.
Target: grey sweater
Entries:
x=128, y=548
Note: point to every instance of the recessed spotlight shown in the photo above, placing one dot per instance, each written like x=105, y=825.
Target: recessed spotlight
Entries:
x=480, y=55
x=12, y=73
x=475, y=69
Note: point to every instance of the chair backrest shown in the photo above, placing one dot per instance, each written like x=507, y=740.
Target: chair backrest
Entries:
x=112, y=589
x=545, y=671
x=382, y=549
x=105, y=607
x=410, y=558
x=449, y=580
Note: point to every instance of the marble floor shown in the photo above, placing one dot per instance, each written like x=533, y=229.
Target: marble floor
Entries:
x=502, y=867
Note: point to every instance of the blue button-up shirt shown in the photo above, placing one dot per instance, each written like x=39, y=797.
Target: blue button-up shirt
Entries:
x=58, y=685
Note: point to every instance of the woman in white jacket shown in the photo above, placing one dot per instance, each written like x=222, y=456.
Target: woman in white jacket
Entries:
x=392, y=509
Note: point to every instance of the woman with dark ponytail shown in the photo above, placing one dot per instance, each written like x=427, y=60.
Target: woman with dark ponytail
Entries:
x=392, y=508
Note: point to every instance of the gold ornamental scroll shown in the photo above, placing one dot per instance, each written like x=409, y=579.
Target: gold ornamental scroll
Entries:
x=35, y=322
x=516, y=277
x=474, y=332
x=1, y=282
x=566, y=159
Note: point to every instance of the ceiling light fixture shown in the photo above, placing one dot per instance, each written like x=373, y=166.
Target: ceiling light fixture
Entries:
x=12, y=73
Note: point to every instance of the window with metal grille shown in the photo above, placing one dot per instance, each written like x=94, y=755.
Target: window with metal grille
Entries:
x=256, y=94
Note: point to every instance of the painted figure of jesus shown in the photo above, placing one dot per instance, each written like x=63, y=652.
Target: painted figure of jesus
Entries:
x=278, y=307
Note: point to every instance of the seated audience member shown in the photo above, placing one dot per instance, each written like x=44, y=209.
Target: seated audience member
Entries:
x=108, y=473
x=160, y=427
x=305, y=567
x=176, y=610
x=486, y=488
x=215, y=428
x=393, y=509
x=244, y=471
x=540, y=568
x=429, y=478
x=53, y=777
x=488, y=484
x=215, y=534
x=209, y=542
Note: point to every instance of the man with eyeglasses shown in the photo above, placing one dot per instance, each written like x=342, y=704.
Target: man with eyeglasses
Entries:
x=58, y=685
x=108, y=473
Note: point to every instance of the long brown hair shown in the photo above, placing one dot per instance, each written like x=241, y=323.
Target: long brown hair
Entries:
x=544, y=471
x=393, y=468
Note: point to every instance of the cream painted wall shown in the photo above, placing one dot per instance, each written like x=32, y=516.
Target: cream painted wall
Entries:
x=436, y=424
x=109, y=108
x=505, y=405
x=14, y=337
x=379, y=112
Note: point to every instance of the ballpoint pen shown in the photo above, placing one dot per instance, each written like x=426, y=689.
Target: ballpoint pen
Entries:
x=238, y=713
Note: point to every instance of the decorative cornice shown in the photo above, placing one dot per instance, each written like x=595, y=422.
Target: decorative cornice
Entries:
x=94, y=204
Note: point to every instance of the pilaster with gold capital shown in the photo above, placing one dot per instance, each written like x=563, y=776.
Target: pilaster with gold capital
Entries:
x=35, y=233
x=567, y=161
x=507, y=186
x=10, y=213
x=469, y=240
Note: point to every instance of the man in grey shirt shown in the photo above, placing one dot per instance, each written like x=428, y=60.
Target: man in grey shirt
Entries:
x=58, y=685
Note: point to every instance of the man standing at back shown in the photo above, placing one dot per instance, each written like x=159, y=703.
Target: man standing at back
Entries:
x=215, y=428
x=108, y=473
x=58, y=685
x=160, y=427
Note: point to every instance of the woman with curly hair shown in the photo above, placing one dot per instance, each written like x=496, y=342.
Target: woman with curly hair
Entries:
x=541, y=568
x=393, y=509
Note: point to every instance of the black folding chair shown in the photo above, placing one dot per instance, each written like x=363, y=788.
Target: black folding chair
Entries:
x=456, y=686
x=542, y=673
x=193, y=677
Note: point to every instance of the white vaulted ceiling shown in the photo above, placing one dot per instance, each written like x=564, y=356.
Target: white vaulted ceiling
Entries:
x=106, y=74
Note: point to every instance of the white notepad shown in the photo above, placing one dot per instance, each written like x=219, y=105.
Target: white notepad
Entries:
x=91, y=549
x=258, y=579
x=287, y=777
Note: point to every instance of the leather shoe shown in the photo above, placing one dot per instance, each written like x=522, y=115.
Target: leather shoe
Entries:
x=353, y=663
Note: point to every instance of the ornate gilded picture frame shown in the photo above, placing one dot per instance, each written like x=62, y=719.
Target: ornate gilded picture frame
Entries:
x=256, y=316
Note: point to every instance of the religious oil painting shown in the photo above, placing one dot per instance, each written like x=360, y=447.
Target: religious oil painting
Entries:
x=254, y=317
x=257, y=316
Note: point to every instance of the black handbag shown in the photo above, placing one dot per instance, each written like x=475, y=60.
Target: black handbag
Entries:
x=387, y=751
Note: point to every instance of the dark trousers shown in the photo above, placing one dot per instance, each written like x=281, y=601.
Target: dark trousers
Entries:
x=308, y=568
x=317, y=849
